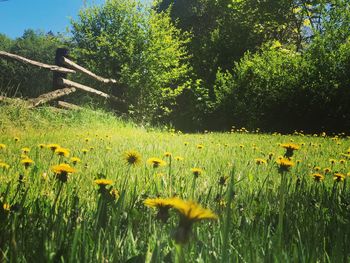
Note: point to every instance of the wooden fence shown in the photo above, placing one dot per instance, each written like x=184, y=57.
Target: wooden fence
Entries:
x=61, y=85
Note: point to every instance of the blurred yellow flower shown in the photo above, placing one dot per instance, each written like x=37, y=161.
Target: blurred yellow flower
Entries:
x=156, y=162
x=62, y=152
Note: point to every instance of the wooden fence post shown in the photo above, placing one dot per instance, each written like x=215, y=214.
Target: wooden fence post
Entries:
x=60, y=53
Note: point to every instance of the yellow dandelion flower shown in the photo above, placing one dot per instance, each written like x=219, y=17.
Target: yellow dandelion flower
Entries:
x=338, y=177
x=167, y=154
x=84, y=151
x=156, y=162
x=41, y=146
x=191, y=210
x=179, y=158
x=260, y=161
x=16, y=139
x=4, y=165
x=2, y=146
x=327, y=170
x=200, y=146
x=53, y=146
x=284, y=164
x=132, y=157
x=317, y=177
x=6, y=207
x=317, y=168
x=186, y=143
x=196, y=171
x=62, y=170
x=332, y=161
x=103, y=182
x=162, y=205
x=25, y=150
x=290, y=148
x=62, y=152
x=27, y=162
x=75, y=160
x=342, y=161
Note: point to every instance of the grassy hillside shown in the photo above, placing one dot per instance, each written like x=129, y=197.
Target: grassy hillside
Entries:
x=253, y=206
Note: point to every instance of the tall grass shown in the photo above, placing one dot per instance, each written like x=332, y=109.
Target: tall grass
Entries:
x=47, y=220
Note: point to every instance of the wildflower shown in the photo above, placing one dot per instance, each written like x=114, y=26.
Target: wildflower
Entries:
x=163, y=206
x=317, y=168
x=6, y=207
x=62, y=152
x=2, y=146
x=342, y=161
x=75, y=160
x=190, y=212
x=271, y=155
x=284, y=164
x=186, y=143
x=290, y=148
x=200, y=146
x=62, y=170
x=167, y=154
x=327, y=170
x=41, y=146
x=241, y=146
x=332, y=161
x=4, y=165
x=87, y=139
x=260, y=161
x=132, y=157
x=102, y=183
x=25, y=150
x=338, y=177
x=16, y=139
x=156, y=162
x=53, y=146
x=317, y=177
x=84, y=151
x=196, y=172
x=179, y=158
x=27, y=162
x=114, y=194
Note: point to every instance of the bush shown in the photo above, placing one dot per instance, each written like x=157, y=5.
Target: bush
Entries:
x=281, y=89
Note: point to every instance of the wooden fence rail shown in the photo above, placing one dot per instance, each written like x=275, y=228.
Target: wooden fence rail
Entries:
x=62, y=85
x=35, y=63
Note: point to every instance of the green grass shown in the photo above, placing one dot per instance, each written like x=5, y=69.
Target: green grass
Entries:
x=260, y=220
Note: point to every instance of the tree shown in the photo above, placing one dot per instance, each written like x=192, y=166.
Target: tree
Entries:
x=137, y=46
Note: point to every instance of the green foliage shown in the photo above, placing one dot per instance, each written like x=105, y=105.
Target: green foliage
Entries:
x=24, y=80
x=137, y=46
x=281, y=89
x=224, y=30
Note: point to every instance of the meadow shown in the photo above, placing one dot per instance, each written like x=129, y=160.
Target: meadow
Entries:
x=83, y=186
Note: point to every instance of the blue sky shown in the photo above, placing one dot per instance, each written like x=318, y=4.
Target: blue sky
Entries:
x=45, y=15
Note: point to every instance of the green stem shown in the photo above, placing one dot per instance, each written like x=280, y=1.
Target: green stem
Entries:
x=179, y=255
x=281, y=208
